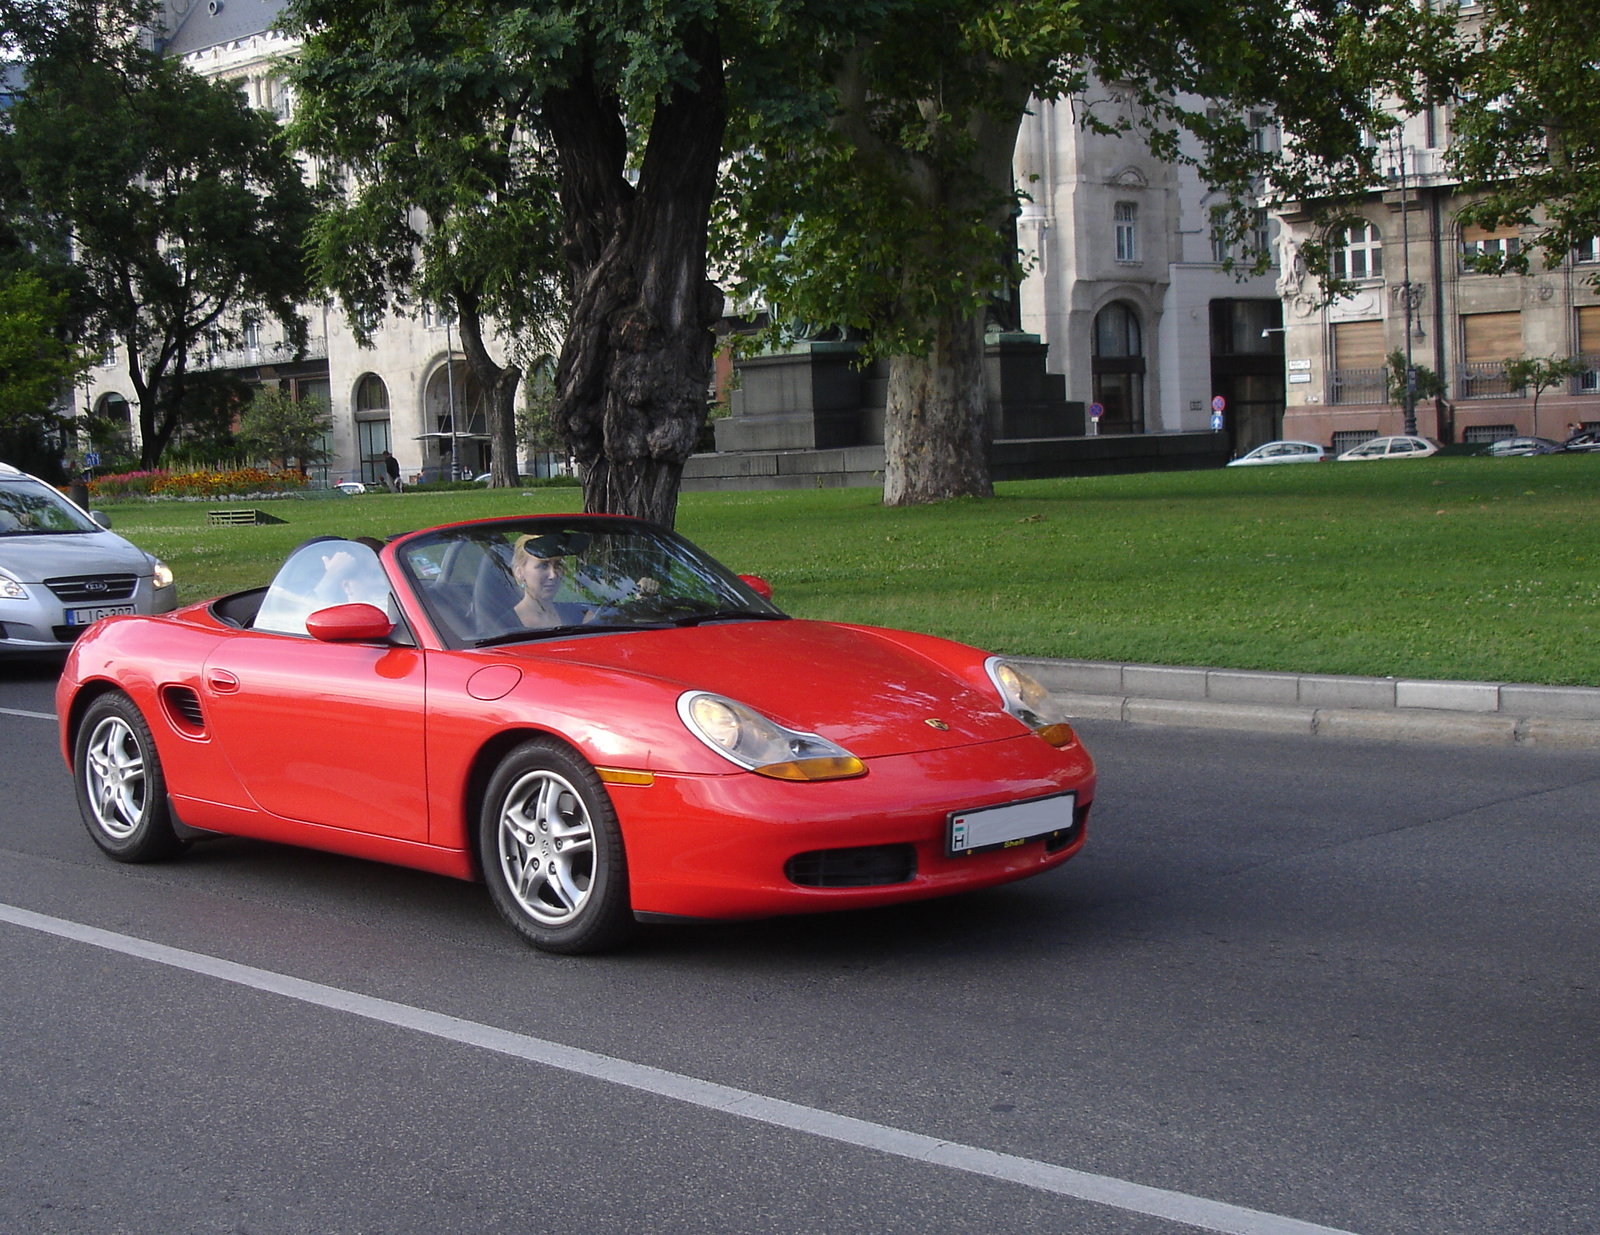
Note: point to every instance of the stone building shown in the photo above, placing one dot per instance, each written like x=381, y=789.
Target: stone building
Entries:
x=1407, y=256
x=1128, y=286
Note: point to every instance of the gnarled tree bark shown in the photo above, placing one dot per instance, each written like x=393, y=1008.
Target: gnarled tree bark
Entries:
x=936, y=423
x=633, y=376
x=499, y=384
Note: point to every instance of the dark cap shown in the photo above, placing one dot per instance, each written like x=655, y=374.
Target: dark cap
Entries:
x=552, y=544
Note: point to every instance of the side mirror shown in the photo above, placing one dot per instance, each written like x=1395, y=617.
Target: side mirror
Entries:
x=758, y=585
x=349, y=624
x=100, y=517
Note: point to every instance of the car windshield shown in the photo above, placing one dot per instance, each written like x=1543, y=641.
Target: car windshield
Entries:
x=520, y=579
x=28, y=508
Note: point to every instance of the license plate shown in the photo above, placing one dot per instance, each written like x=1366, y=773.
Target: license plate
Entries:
x=83, y=617
x=1015, y=823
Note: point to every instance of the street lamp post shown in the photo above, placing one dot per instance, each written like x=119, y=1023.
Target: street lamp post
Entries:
x=450, y=387
x=1410, y=395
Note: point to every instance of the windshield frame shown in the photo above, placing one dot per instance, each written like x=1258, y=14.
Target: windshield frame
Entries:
x=414, y=553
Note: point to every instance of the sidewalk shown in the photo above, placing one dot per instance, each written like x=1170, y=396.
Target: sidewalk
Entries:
x=1320, y=705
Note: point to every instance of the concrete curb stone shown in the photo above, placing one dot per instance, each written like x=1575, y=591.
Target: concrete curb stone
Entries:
x=1323, y=705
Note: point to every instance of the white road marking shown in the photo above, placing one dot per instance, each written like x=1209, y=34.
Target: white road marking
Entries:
x=36, y=715
x=1047, y=1177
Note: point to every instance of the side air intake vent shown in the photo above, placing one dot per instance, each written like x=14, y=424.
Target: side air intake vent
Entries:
x=870, y=866
x=184, y=706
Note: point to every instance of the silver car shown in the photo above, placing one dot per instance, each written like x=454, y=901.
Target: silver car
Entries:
x=61, y=570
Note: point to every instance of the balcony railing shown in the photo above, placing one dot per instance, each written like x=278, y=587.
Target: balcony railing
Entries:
x=251, y=357
x=1356, y=386
x=1485, y=380
x=1587, y=382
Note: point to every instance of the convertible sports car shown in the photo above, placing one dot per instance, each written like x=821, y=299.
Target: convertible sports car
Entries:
x=587, y=713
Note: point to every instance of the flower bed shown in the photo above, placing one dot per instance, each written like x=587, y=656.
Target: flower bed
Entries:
x=239, y=481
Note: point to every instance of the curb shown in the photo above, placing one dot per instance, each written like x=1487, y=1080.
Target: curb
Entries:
x=1319, y=705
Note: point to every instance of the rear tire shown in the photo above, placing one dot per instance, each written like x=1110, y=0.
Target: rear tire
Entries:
x=552, y=851
x=122, y=793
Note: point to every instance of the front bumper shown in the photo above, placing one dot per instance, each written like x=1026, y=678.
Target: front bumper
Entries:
x=38, y=625
x=719, y=846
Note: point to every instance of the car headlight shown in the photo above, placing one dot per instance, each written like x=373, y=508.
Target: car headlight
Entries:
x=10, y=589
x=1026, y=699
x=163, y=575
x=743, y=736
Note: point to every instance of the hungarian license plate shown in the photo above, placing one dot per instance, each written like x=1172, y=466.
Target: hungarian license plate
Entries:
x=1015, y=823
x=83, y=617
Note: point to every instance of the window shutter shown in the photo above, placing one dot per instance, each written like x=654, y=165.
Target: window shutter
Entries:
x=1488, y=338
x=1589, y=330
x=1358, y=345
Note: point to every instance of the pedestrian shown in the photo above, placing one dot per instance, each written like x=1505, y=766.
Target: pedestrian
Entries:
x=391, y=472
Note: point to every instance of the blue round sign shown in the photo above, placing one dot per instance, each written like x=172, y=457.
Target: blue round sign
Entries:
x=1218, y=403
x=1096, y=411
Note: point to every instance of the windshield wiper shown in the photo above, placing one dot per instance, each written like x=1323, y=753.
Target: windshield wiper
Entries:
x=730, y=615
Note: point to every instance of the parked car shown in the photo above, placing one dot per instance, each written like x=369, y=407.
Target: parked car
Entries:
x=62, y=569
x=1586, y=441
x=351, y=487
x=1398, y=447
x=1281, y=452
x=1508, y=447
x=586, y=712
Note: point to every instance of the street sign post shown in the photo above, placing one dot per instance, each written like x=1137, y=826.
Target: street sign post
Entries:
x=1096, y=410
x=1217, y=405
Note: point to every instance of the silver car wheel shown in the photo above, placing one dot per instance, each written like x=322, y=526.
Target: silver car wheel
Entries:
x=115, y=777
x=546, y=843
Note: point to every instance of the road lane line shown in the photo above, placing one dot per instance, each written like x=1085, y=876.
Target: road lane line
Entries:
x=1045, y=1176
x=20, y=712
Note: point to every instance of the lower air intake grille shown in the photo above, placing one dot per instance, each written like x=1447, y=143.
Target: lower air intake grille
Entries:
x=869, y=866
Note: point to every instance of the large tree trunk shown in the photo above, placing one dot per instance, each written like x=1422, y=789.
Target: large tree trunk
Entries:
x=500, y=390
x=936, y=425
x=632, y=381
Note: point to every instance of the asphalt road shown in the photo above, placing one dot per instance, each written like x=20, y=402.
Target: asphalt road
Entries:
x=1341, y=983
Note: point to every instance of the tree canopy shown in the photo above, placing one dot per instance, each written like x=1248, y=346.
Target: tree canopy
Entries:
x=36, y=364
x=1526, y=127
x=424, y=119
x=183, y=210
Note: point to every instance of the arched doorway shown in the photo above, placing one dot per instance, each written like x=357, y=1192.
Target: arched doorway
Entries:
x=372, y=427
x=1118, y=367
x=457, y=447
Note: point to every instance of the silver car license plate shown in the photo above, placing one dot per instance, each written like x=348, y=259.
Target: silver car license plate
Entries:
x=1015, y=823
x=84, y=617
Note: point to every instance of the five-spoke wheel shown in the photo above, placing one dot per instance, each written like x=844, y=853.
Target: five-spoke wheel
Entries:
x=552, y=851
x=122, y=793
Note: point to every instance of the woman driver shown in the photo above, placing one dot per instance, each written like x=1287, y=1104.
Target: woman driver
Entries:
x=539, y=564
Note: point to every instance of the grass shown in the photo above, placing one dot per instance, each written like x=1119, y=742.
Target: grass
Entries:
x=1439, y=568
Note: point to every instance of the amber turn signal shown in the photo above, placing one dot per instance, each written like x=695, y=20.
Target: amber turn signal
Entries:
x=1060, y=734
x=826, y=768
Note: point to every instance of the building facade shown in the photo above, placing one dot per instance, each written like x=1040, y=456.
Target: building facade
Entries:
x=1128, y=287
x=1408, y=258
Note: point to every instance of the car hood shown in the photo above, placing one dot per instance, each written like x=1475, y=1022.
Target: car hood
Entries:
x=866, y=692
x=34, y=558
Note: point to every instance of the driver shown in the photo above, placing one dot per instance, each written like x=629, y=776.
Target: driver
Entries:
x=539, y=565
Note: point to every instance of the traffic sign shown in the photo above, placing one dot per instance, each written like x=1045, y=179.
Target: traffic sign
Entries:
x=91, y=458
x=1096, y=410
x=1216, y=422
x=1218, y=403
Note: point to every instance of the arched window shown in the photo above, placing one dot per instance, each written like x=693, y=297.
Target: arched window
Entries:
x=1357, y=251
x=1118, y=367
x=371, y=394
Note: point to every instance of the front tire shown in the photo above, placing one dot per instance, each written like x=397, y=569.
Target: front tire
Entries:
x=122, y=793
x=552, y=851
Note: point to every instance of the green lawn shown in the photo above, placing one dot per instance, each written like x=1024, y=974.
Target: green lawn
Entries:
x=1439, y=568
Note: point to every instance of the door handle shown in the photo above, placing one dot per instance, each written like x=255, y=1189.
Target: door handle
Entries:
x=221, y=681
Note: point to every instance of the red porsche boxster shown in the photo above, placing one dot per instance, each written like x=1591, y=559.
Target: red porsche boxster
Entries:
x=587, y=713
